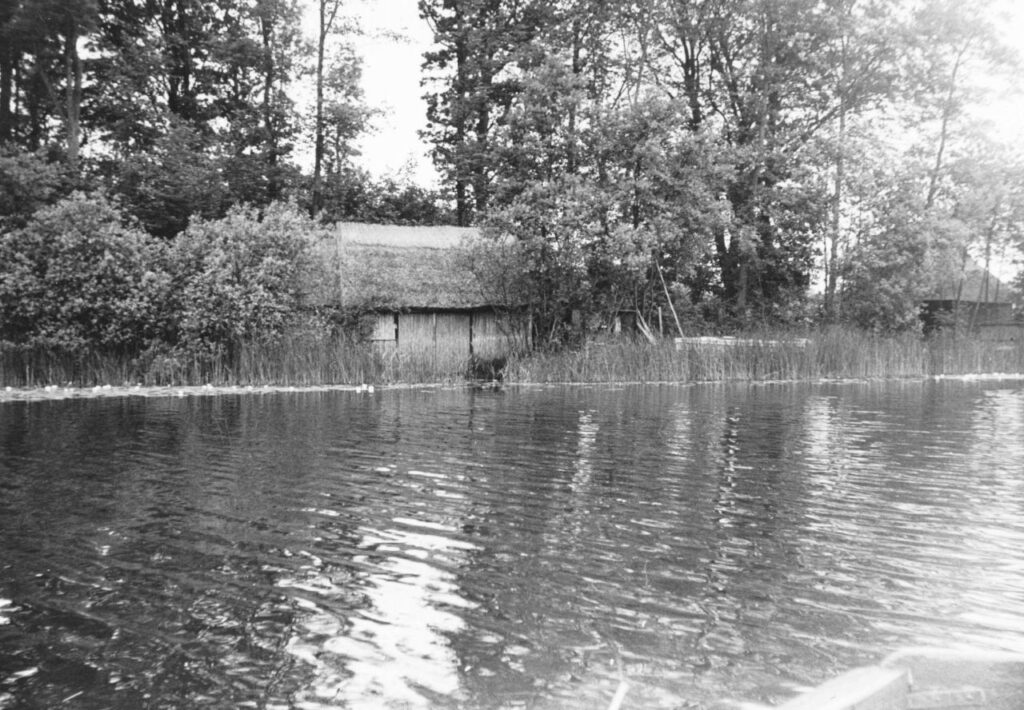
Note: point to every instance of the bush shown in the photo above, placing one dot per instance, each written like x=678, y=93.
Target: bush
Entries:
x=240, y=278
x=28, y=181
x=79, y=276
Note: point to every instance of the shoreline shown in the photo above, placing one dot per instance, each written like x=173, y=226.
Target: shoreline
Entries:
x=57, y=392
x=51, y=393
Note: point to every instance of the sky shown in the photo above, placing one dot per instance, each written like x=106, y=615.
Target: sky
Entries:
x=391, y=76
x=391, y=82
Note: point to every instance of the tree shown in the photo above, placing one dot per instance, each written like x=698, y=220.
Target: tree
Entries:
x=28, y=181
x=339, y=113
x=42, y=62
x=178, y=177
x=239, y=278
x=886, y=272
x=259, y=54
x=80, y=277
x=756, y=80
x=478, y=40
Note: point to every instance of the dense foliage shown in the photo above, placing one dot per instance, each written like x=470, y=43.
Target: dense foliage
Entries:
x=82, y=277
x=184, y=108
x=79, y=275
x=715, y=156
x=240, y=278
x=701, y=163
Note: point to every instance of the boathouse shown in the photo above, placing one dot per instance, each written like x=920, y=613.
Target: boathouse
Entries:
x=422, y=293
x=977, y=300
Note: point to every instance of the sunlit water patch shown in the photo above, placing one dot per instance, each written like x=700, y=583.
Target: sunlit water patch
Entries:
x=533, y=547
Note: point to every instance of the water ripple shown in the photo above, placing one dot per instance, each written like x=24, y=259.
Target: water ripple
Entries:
x=532, y=547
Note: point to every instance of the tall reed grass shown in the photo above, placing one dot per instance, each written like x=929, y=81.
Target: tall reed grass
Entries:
x=309, y=358
x=298, y=359
x=827, y=354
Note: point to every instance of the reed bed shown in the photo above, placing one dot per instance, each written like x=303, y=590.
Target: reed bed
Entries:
x=830, y=354
x=301, y=359
x=310, y=358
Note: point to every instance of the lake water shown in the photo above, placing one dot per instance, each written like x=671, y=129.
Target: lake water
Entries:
x=522, y=548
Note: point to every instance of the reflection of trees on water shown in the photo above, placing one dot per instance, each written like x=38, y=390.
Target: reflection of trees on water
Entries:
x=901, y=506
x=742, y=446
x=650, y=536
x=165, y=520
x=994, y=522
x=530, y=547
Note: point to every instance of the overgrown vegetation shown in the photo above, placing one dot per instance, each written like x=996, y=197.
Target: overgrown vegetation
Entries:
x=697, y=164
x=88, y=297
x=719, y=157
x=310, y=358
x=760, y=356
x=84, y=291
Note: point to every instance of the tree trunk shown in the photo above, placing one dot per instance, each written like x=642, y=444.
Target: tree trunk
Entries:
x=271, y=147
x=947, y=115
x=326, y=21
x=180, y=98
x=462, y=211
x=832, y=257
x=8, y=59
x=72, y=93
x=691, y=83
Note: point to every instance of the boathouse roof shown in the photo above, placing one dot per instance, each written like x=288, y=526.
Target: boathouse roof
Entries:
x=402, y=267
x=971, y=284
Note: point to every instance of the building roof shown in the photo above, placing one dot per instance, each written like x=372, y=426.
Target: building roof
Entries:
x=391, y=235
x=400, y=267
x=973, y=284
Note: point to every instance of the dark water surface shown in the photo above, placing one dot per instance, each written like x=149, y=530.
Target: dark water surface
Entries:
x=526, y=548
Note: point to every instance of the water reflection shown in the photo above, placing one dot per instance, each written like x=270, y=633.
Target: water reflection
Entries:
x=528, y=548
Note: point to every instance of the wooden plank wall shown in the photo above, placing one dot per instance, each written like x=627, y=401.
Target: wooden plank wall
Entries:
x=451, y=338
x=416, y=334
x=443, y=339
x=488, y=340
x=440, y=340
x=384, y=335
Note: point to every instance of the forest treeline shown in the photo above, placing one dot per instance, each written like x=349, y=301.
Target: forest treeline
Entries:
x=704, y=160
x=717, y=155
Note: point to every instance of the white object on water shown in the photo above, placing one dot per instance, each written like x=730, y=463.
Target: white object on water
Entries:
x=620, y=695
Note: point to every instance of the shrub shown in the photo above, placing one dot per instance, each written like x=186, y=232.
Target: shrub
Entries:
x=240, y=278
x=76, y=276
x=28, y=181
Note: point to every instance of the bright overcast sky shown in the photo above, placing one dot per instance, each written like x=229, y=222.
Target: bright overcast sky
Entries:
x=391, y=82
x=391, y=76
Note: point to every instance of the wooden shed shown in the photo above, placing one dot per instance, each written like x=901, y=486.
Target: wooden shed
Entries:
x=418, y=283
x=975, y=298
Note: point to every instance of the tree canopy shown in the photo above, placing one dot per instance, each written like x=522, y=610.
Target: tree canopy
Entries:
x=720, y=148
x=727, y=162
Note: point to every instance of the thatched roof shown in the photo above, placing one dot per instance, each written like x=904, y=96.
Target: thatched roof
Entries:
x=397, y=267
x=972, y=284
x=390, y=235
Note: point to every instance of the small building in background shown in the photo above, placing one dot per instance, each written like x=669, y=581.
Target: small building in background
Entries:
x=974, y=299
x=425, y=299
